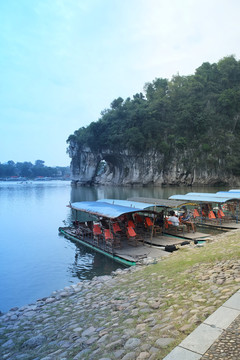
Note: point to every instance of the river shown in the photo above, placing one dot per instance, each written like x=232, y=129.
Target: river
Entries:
x=34, y=259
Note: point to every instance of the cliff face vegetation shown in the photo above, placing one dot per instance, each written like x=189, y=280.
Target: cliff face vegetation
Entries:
x=181, y=131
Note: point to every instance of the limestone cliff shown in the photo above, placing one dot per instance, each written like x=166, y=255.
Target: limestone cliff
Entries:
x=129, y=168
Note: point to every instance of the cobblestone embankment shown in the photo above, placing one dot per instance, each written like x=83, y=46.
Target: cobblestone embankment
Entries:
x=135, y=314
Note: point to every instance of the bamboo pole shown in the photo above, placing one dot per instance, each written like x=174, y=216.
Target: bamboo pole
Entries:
x=155, y=208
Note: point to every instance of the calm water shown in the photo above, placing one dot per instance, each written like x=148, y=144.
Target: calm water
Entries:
x=34, y=258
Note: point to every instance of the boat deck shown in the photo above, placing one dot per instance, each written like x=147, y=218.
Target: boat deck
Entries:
x=190, y=236
x=139, y=252
x=151, y=247
x=231, y=225
x=167, y=239
x=164, y=240
x=129, y=254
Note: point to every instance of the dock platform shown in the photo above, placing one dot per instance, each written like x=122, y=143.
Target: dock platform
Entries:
x=127, y=254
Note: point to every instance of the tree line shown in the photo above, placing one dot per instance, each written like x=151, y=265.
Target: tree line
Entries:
x=196, y=115
x=29, y=170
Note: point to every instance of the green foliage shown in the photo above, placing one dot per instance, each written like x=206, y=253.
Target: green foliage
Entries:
x=206, y=147
x=181, y=143
x=199, y=114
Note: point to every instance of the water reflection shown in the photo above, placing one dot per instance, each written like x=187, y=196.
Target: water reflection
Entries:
x=82, y=193
x=87, y=264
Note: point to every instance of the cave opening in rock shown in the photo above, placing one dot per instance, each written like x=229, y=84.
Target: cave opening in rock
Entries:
x=101, y=168
x=106, y=168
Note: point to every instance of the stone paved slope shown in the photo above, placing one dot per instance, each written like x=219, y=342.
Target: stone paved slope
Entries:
x=138, y=313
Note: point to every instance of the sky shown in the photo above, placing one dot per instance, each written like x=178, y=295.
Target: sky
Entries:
x=64, y=61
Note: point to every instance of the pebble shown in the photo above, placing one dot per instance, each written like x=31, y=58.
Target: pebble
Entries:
x=129, y=356
x=89, y=331
x=8, y=344
x=162, y=342
x=143, y=356
x=34, y=341
x=132, y=343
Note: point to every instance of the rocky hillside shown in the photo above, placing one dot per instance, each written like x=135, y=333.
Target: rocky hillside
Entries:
x=181, y=131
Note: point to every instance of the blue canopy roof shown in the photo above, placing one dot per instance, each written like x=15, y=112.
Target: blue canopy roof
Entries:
x=225, y=194
x=232, y=194
x=234, y=190
x=128, y=203
x=103, y=209
x=202, y=198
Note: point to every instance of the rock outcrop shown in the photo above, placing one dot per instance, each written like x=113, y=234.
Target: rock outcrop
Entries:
x=107, y=167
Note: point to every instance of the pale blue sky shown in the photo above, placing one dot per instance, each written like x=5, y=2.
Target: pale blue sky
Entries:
x=64, y=61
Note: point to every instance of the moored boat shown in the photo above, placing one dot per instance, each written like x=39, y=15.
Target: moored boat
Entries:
x=214, y=209
x=116, y=230
x=70, y=234
x=128, y=231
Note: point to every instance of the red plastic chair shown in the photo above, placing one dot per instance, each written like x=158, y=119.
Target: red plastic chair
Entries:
x=111, y=241
x=97, y=234
x=195, y=213
x=108, y=235
x=116, y=228
x=131, y=224
x=132, y=236
x=149, y=221
x=131, y=231
x=211, y=215
x=97, y=230
x=166, y=223
x=220, y=214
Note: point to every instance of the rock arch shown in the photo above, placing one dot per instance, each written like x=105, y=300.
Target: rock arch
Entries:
x=122, y=168
x=85, y=166
x=128, y=168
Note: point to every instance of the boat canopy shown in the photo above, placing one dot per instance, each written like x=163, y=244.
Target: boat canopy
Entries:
x=103, y=209
x=235, y=190
x=159, y=202
x=225, y=194
x=236, y=195
x=205, y=197
x=128, y=203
